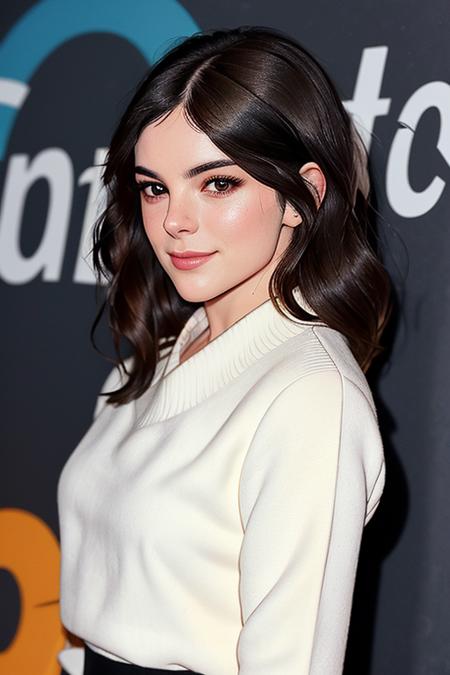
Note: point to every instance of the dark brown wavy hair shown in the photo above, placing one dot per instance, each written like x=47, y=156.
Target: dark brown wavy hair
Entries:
x=268, y=104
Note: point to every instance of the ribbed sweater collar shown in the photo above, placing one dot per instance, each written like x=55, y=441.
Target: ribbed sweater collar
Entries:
x=183, y=385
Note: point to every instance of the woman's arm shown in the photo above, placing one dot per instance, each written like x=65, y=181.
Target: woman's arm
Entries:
x=313, y=472
x=71, y=657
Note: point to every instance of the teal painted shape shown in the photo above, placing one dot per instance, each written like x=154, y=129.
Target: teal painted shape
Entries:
x=151, y=26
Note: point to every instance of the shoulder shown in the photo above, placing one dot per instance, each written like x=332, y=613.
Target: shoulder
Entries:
x=319, y=436
x=117, y=376
x=321, y=410
x=319, y=354
x=115, y=379
x=319, y=380
x=325, y=407
x=336, y=346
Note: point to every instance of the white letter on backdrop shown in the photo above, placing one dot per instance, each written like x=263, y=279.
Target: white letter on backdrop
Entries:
x=403, y=199
x=84, y=272
x=55, y=166
x=366, y=104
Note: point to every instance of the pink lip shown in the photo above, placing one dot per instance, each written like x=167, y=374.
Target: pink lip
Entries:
x=189, y=261
x=189, y=253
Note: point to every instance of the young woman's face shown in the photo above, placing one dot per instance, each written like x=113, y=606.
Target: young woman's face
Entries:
x=220, y=211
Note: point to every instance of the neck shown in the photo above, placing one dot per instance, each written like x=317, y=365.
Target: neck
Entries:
x=227, y=308
x=183, y=384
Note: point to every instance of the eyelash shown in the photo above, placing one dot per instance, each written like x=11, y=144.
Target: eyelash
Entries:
x=232, y=180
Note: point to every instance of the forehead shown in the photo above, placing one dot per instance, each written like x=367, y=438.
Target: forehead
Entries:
x=174, y=140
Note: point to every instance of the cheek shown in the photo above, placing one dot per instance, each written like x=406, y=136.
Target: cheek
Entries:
x=152, y=228
x=155, y=235
x=250, y=222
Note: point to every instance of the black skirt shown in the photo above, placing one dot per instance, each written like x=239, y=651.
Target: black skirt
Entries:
x=97, y=664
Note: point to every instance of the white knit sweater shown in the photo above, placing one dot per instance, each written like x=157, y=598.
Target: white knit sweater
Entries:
x=214, y=524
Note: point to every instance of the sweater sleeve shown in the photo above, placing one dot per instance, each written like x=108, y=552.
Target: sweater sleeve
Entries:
x=313, y=464
x=71, y=657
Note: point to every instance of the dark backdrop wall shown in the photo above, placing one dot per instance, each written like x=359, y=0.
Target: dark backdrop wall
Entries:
x=67, y=70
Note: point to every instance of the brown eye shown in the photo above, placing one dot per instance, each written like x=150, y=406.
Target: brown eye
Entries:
x=224, y=184
x=221, y=184
x=150, y=191
x=153, y=186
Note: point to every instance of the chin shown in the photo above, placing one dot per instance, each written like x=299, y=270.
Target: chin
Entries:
x=191, y=294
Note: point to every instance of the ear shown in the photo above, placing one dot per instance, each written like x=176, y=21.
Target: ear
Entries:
x=315, y=179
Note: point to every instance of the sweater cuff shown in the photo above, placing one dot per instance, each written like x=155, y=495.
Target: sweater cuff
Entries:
x=72, y=660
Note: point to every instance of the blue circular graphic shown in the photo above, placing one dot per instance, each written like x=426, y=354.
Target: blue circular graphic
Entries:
x=150, y=25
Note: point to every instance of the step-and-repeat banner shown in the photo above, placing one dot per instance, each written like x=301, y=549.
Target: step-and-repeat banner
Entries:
x=67, y=71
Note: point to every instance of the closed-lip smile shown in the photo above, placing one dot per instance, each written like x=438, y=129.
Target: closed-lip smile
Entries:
x=190, y=260
x=190, y=254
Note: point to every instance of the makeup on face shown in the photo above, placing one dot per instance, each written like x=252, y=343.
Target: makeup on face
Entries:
x=216, y=235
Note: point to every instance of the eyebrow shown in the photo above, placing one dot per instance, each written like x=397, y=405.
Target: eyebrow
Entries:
x=190, y=173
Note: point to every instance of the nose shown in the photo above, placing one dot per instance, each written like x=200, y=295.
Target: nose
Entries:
x=179, y=218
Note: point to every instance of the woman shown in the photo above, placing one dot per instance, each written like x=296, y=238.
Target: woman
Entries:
x=211, y=517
